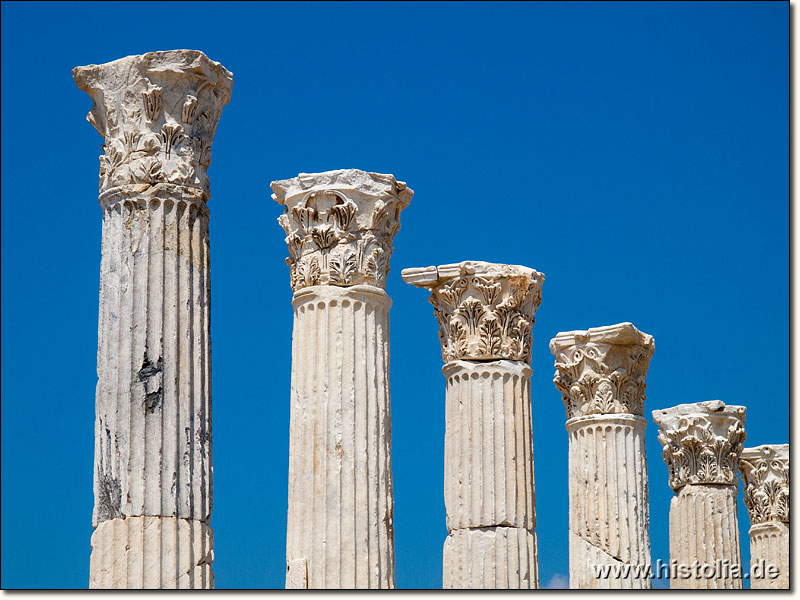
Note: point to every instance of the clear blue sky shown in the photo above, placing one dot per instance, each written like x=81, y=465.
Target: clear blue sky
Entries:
x=635, y=153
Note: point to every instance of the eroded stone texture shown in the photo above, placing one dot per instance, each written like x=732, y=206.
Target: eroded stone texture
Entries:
x=702, y=443
x=601, y=375
x=609, y=514
x=485, y=313
x=152, y=553
x=339, y=227
x=484, y=310
x=765, y=476
x=157, y=113
x=488, y=463
x=490, y=558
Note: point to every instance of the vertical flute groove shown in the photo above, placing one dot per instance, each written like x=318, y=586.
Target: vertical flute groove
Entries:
x=488, y=477
x=340, y=416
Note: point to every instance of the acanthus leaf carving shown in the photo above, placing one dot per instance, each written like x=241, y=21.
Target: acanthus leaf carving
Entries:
x=342, y=221
x=765, y=475
x=701, y=442
x=140, y=102
x=152, y=103
x=189, y=107
x=171, y=135
x=485, y=311
x=602, y=370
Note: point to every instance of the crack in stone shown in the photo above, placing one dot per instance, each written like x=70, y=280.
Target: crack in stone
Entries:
x=603, y=550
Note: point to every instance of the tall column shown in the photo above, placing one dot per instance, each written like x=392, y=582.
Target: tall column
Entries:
x=486, y=313
x=765, y=476
x=702, y=443
x=339, y=227
x=601, y=375
x=152, y=469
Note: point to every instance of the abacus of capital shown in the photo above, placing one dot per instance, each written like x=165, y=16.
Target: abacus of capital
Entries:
x=701, y=446
x=765, y=476
x=486, y=313
x=601, y=375
x=153, y=468
x=339, y=228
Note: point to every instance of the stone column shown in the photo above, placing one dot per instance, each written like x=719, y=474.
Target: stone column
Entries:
x=765, y=476
x=152, y=476
x=702, y=443
x=486, y=313
x=601, y=375
x=339, y=227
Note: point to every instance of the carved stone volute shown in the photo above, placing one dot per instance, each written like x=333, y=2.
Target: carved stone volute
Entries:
x=765, y=474
x=340, y=225
x=602, y=370
x=485, y=310
x=701, y=442
x=158, y=113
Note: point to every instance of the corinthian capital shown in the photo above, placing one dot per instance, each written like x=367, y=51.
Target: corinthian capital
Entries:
x=340, y=225
x=158, y=113
x=485, y=310
x=602, y=370
x=765, y=474
x=702, y=442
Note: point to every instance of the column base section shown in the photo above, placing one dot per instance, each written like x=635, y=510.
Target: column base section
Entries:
x=152, y=553
x=490, y=558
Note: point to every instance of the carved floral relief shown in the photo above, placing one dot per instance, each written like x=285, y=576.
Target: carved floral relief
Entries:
x=485, y=311
x=339, y=226
x=701, y=448
x=158, y=113
x=603, y=377
x=765, y=474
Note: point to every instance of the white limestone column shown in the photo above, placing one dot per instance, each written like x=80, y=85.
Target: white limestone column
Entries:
x=702, y=443
x=765, y=477
x=485, y=313
x=601, y=375
x=339, y=227
x=153, y=469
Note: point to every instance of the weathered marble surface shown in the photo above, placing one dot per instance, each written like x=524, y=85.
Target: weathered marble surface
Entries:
x=339, y=227
x=485, y=313
x=152, y=553
x=702, y=443
x=484, y=310
x=601, y=374
x=765, y=476
x=157, y=114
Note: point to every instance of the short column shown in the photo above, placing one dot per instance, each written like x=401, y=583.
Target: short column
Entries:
x=486, y=313
x=765, y=477
x=601, y=375
x=339, y=227
x=701, y=446
x=153, y=469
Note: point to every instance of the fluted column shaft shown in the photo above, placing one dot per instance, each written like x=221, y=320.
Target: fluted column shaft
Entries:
x=769, y=556
x=601, y=374
x=339, y=228
x=765, y=476
x=153, y=456
x=704, y=535
x=608, y=509
x=339, y=527
x=701, y=447
x=486, y=313
x=489, y=478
